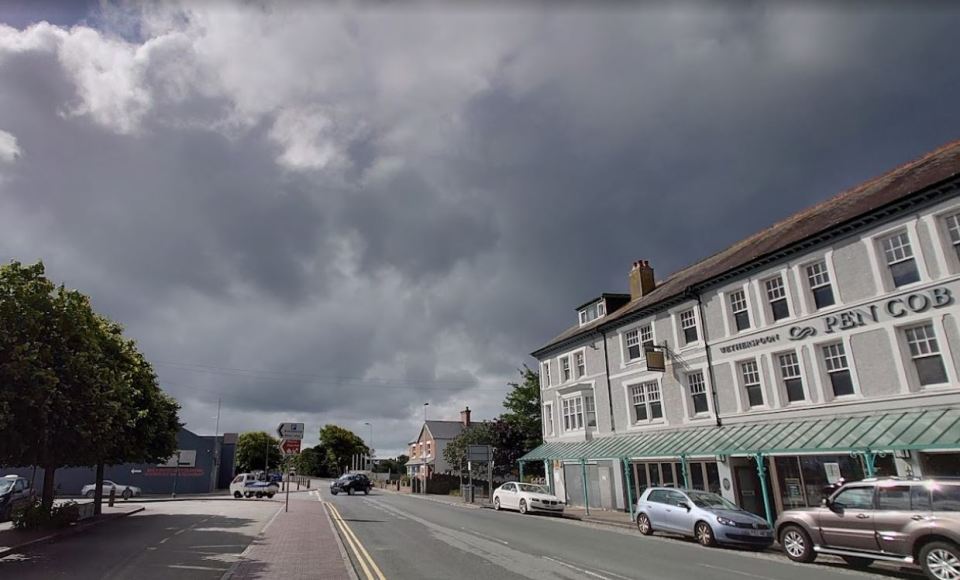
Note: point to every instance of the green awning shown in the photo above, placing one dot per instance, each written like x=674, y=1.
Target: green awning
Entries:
x=929, y=429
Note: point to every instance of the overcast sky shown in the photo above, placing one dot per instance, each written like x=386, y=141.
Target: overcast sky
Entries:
x=337, y=212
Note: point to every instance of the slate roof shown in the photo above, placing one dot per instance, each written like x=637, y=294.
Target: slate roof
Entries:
x=444, y=429
x=933, y=168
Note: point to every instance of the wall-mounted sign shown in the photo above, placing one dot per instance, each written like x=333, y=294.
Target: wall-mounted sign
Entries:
x=187, y=457
x=655, y=360
x=750, y=343
x=894, y=308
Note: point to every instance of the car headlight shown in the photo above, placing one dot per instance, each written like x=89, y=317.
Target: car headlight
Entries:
x=726, y=522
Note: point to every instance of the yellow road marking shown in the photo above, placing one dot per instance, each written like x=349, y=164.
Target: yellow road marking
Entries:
x=355, y=543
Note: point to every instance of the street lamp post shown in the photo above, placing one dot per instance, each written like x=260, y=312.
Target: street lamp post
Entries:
x=370, y=444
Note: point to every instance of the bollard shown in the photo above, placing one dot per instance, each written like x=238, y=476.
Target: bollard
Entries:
x=113, y=496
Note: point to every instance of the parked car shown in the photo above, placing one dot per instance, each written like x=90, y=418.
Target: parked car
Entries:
x=902, y=520
x=15, y=492
x=124, y=491
x=704, y=516
x=250, y=485
x=526, y=497
x=351, y=483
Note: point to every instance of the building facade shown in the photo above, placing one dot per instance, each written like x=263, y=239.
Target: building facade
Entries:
x=206, y=463
x=824, y=347
x=426, y=451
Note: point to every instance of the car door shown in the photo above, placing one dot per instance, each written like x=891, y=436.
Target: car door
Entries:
x=656, y=509
x=509, y=496
x=900, y=509
x=678, y=517
x=849, y=523
x=19, y=493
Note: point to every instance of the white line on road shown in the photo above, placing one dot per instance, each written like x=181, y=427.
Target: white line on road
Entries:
x=572, y=567
x=484, y=536
x=734, y=571
x=188, y=567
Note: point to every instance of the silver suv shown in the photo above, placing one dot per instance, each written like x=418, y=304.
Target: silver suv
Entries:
x=902, y=520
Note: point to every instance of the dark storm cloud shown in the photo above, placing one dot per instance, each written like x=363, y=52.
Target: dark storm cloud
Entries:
x=381, y=209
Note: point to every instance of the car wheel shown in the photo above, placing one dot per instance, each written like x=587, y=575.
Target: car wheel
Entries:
x=237, y=495
x=523, y=506
x=496, y=503
x=248, y=495
x=259, y=494
x=940, y=560
x=269, y=496
x=797, y=544
x=334, y=492
x=704, y=534
x=366, y=491
x=127, y=494
x=643, y=524
x=91, y=494
x=349, y=491
x=857, y=562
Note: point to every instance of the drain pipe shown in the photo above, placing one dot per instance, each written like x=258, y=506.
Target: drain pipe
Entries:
x=706, y=347
x=606, y=365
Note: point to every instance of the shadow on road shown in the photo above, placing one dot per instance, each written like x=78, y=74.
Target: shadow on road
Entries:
x=145, y=547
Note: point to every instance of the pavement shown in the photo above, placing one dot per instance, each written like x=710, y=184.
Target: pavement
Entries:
x=405, y=536
x=183, y=539
x=13, y=540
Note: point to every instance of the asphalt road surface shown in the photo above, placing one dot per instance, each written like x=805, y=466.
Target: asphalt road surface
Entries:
x=181, y=539
x=412, y=538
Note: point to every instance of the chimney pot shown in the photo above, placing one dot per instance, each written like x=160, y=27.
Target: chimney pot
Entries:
x=642, y=281
x=465, y=416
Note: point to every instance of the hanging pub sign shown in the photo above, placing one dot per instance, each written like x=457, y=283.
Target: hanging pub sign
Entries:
x=655, y=359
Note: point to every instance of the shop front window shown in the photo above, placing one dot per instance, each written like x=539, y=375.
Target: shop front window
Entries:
x=801, y=480
x=940, y=464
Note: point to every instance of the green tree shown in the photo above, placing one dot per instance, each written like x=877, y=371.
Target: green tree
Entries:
x=312, y=461
x=65, y=382
x=455, y=453
x=257, y=451
x=341, y=444
x=524, y=408
x=397, y=464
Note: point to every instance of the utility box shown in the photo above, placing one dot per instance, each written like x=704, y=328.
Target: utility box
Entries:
x=466, y=490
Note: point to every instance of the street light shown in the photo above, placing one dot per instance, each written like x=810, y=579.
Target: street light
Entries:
x=425, y=405
x=370, y=444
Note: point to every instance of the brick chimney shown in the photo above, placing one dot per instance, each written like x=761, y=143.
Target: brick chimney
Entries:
x=641, y=279
x=465, y=417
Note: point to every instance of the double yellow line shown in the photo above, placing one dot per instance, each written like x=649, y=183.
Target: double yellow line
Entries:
x=361, y=554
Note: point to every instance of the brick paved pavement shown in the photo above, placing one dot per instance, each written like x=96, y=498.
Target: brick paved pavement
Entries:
x=300, y=543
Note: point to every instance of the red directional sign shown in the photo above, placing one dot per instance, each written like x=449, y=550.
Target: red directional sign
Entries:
x=290, y=446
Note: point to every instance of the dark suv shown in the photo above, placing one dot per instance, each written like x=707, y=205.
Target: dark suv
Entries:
x=350, y=483
x=15, y=493
x=901, y=520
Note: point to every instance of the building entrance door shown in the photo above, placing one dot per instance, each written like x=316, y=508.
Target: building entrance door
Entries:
x=748, y=489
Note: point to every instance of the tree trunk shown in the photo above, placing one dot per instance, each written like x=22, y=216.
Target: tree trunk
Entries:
x=98, y=492
x=49, y=474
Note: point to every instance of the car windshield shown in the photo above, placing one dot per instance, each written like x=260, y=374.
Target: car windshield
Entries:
x=6, y=484
x=531, y=488
x=705, y=500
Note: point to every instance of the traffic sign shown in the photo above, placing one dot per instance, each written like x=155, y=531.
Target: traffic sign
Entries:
x=290, y=446
x=479, y=453
x=290, y=430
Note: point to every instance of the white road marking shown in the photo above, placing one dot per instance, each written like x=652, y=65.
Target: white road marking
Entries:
x=485, y=537
x=734, y=571
x=188, y=567
x=572, y=567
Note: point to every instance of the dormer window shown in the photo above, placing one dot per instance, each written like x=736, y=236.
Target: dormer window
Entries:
x=593, y=312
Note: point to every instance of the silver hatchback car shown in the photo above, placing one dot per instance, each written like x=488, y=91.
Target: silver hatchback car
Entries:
x=705, y=516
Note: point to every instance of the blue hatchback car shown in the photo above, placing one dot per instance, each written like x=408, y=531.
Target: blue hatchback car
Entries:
x=705, y=516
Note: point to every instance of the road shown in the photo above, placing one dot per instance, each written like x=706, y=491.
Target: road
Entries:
x=409, y=538
x=181, y=539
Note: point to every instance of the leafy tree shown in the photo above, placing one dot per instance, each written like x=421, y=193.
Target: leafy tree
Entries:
x=455, y=453
x=341, y=444
x=524, y=409
x=394, y=465
x=66, y=382
x=313, y=461
x=257, y=451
